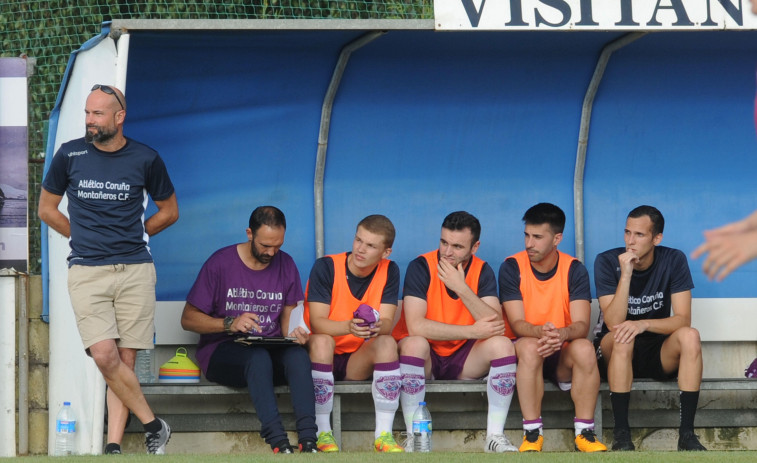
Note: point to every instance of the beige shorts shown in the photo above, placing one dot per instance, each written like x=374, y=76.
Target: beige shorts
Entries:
x=114, y=302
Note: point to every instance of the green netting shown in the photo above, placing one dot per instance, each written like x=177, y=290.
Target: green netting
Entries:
x=49, y=31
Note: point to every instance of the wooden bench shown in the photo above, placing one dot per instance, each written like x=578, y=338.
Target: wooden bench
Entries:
x=662, y=418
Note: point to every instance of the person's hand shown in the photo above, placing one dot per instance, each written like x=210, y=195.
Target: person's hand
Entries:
x=487, y=327
x=551, y=340
x=627, y=331
x=246, y=323
x=453, y=278
x=627, y=260
x=364, y=332
x=300, y=334
x=727, y=248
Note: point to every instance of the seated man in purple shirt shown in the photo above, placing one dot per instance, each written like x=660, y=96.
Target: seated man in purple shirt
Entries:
x=251, y=288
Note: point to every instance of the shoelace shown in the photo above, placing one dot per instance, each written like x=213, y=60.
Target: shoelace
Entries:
x=589, y=435
x=532, y=435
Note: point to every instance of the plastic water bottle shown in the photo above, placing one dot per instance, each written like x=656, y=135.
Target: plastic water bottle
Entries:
x=65, y=431
x=143, y=366
x=422, y=429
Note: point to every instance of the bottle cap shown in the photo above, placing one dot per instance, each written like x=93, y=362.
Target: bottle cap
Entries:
x=66, y=404
x=421, y=403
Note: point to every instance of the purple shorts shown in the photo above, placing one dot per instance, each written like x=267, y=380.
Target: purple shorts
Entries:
x=340, y=365
x=451, y=366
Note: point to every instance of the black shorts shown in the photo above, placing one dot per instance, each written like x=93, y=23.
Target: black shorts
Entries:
x=646, y=363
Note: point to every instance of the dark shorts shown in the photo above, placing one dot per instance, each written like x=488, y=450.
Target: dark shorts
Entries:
x=451, y=366
x=340, y=365
x=646, y=363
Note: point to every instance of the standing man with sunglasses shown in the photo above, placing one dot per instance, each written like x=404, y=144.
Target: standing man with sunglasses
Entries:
x=111, y=279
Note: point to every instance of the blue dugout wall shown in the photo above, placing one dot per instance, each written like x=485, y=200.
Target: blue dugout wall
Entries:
x=426, y=123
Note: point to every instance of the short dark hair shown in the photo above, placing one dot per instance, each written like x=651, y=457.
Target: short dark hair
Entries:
x=267, y=215
x=460, y=220
x=546, y=213
x=658, y=221
x=380, y=225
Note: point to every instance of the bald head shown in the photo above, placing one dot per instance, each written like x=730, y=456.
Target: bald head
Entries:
x=105, y=114
x=108, y=95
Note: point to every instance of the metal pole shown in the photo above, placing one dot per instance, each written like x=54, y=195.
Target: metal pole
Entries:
x=23, y=364
x=323, y=132
x=7, y=363
x=583, y=135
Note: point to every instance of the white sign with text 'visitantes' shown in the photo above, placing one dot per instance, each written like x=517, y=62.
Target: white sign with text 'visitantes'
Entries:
x=600, y=15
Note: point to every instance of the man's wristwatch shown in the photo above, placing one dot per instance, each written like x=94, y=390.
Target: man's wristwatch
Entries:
x=227, y=324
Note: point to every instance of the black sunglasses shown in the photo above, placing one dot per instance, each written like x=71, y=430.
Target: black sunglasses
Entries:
x=109, y=91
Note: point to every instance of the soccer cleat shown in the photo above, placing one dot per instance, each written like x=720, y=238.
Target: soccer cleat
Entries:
x=409, y=443
x=385, y=443
x=498, y=443
x=688, y=441
x=156, y=441
x=326, y=442
x=621, y=440
x=283, y=447
x=587, y=442
x=532, y=441
x=309, y=446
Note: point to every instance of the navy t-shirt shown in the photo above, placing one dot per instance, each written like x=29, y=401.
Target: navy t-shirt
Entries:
x=649, y=295
x=107, y=197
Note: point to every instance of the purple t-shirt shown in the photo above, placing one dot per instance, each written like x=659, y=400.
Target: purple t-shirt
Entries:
x=226, y=287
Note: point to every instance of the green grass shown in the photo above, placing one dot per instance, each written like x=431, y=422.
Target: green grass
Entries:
x=434, y=457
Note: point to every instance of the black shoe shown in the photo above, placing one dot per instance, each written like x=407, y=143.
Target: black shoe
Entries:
x=688, y=441
x=112, y=449
x=309, y=446
x=621, y=440
x=283, y=447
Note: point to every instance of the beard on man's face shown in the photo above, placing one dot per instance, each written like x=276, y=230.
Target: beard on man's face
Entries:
x=99, y=135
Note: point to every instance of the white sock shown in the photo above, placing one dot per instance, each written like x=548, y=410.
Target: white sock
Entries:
x=385, y=389
x=530, y=425
x=413, y=387
x=499, y=391
x=580, y=425
x=323, y=385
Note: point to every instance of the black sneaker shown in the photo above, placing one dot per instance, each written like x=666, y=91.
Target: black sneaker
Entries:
x=283, y=447
x=156, y=441
x=309, y=446
x=112, y=449
x=688, y=441
x=621, y=440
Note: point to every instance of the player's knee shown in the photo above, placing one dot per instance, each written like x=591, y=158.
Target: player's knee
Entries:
x=385, y=342
x=622, y=350
x=582, y=348
x=321, y=343
x=690, y=340
x=499, y=346
x=414, y=346
x=526, y=350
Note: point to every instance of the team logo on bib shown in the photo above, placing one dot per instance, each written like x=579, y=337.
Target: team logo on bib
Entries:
x=324, y=390
x=503, y=383
x=389, y=386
